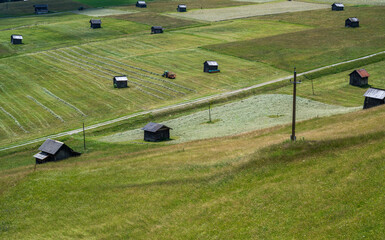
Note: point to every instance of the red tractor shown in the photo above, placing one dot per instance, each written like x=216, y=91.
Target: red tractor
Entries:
x=168, y=74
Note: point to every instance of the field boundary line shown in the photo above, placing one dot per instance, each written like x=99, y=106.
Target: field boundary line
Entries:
x=178, y=105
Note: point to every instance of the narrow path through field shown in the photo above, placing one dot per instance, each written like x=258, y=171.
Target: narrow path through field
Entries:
x=175, y=106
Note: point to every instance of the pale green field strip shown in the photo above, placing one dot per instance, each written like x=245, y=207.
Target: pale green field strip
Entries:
x=46, y=108
x=350, y=2
x=257, y=112
x=222, y=14
x=101, y=12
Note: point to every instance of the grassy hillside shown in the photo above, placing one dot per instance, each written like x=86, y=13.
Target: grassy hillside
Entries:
x=330, y=42
x=255, y=185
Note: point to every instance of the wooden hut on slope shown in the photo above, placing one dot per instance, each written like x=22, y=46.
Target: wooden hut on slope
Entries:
x=155, y=132
x=156, y=29
x=359, y=78
x=16, y=39
x=210, y=67
x=53, y=150
x=141, y=4
x=374, y=97
x=120, y=82
x=182, y=8
x=41, y=8
x=352, y=22
x=96, y=23
x=337, y=7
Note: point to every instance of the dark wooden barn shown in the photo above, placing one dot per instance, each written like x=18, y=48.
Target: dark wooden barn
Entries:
x=41, y=8
x=120, y=82
x=96, y=23
x=182, y=8
x=156, y=29
x=374, y=97
x=352, y=22
x=210, y=67
x=359, y=78
x=53, y=150
x=337, y=7
x=16, y=39
x=155, y=132
x=141, y=4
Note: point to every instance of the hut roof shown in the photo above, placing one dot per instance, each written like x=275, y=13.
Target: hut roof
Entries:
x=17, y=36
x=157, y=27
x=141, y=2
x=95, y=21
x=154, y=127
x=338, y=4
x=353, y=19
x=40, y=5
x=212, y=63
x=362, y=72
x=121, y=78
x=376, y=93
x=182, y=6
x=51, y=146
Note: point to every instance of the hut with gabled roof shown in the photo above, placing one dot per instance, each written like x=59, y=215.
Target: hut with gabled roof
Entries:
x=359, y=78
x=338, y=7
x=156, y=29
x=182, y=8
x=120, y=81
x=96, y=23
x=374, y=97
x=53, y=150
x=352, y=22
x=141, y=4
x=16, y=39
x=155, y=132
x=210, y=67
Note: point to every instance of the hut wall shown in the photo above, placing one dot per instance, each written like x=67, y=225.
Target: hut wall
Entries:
x=207, y=67
x=372, y=102
x=160, y=135
x=95, y=25
x=120, y=84
x=16, y=41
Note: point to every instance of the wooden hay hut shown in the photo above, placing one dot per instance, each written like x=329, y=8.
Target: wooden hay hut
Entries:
x=337, y=7
x=96, y=23
x=156, y=29
x=120, y=82
x=359, y=78
x=210, y=67
x=141, y=4
x=182, y=8
x=155, y=132
x=53, y=150
x=352, y=22
x=374, y=97
x=16, y=39
x=41, y=8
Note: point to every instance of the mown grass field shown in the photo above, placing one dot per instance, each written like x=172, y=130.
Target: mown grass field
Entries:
x=255, y=185
x=329, y=42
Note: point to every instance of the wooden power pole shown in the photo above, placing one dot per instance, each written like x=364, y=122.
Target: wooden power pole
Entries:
x=292, y=137
x=84, y=138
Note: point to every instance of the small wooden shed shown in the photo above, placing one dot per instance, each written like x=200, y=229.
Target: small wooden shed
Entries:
x=374, y=97
x=16, y=39
x=53, y=150
x=96, y=23
x=210, y=67
x=141, y=4
x=120, y=81
x=155, y=132
x=338, y=7
x=156, y=29
x=352, y=22
x=359, y=78
x=182, y=8
x=41, y=8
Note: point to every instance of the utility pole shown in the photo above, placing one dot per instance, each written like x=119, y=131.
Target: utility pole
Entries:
x=292, y=137
x=84, y=138
x=210, y=112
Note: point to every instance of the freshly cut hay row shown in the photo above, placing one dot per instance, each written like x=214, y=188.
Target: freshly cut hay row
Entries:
x=14, y=119
x=46, y=108
x=63, y=101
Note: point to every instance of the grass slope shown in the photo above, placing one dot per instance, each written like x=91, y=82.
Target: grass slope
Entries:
x=255, y=185
x=330, y=42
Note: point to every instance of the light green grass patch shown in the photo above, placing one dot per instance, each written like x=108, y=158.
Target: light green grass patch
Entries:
x=237, y=117
x=101, y=12
x=250, y=11
x=243, y=29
